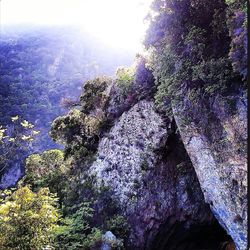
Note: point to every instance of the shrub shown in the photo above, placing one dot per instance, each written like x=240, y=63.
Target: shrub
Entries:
x=48, y=169
x=76, y=232
x=28, y=219
x=119, y=226
x=237, y=25
x=80, y=130
x=95, y=94
x=77, y=131
x=124, y=79
x=189, y=44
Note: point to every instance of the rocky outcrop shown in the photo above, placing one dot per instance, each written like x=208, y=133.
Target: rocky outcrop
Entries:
x=109, y=240
x=141, y=88
x=214, y=132
x=143, y=162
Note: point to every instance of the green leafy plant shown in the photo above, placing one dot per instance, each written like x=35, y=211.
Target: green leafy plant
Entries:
x=28, y=219
x=48, y=169
x=119, y=226
x=15, y=139
x=75, y=231
x=125, y=78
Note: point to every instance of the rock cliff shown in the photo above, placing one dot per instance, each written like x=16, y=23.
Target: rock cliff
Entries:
x=143, y=161
x=216, y=141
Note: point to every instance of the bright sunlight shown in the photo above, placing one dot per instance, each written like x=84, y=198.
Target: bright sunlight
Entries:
x=119, y=23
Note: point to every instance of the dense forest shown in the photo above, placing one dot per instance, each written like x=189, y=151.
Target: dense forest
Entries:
x=148, y=156
x=42, y=70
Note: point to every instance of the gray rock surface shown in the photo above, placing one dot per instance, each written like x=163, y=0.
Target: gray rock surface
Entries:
x=109, y=240
x=214, y=133
x=143, y=162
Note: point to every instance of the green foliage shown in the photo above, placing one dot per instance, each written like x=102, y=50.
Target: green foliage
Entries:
x=28, y=220
x=189, y=45
x=125, y=78
x=41, y=66
x=15, y=139
x=75, y=231
x=119, y=226
x=48, y=169
x=65, y=127
x=77, y=131
x=163, y=66
x=80, y=130
x=95, y=94
x=214, y=71
x=237, y=25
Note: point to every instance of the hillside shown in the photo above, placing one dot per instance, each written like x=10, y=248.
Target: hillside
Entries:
x=153, y=157
x=41, y=72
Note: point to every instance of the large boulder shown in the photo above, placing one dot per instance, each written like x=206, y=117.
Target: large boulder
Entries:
x=142, y=160
x=109, y=241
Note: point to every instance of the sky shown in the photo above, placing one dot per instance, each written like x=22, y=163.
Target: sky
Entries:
x=119, y=23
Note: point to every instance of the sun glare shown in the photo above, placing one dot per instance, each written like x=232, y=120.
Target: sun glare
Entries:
x=120, y=23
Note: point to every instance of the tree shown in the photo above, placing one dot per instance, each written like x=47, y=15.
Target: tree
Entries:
x=189, y=48
x=27, y=219
x=15, y=141
x=48, y=169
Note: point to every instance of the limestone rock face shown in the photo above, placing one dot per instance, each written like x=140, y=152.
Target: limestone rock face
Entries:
x=144, y=163
x=214, y=133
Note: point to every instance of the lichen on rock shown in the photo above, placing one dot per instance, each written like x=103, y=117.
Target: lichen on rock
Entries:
x=144, y=163
x=216, y=142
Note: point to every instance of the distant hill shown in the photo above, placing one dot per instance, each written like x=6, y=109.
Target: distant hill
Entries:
x=39, y=66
